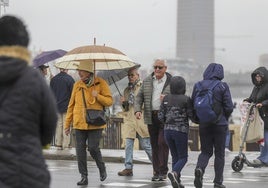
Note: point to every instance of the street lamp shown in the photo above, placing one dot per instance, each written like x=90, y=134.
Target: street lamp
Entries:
x=4, y=4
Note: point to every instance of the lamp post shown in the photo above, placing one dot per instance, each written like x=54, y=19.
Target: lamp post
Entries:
x=4, y=4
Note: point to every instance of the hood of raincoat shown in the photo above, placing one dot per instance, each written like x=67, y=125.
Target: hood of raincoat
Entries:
x=214, y=71
x=263, y=72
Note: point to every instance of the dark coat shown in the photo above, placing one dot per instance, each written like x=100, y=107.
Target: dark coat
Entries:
x=259, y=93
x=62, y=85
x=222, y=95
x=28, y=118
x=176, y=108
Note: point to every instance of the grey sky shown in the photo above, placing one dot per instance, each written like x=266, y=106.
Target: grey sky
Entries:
x=143, y=29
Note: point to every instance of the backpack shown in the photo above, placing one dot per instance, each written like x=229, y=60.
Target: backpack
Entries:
x=204, y=104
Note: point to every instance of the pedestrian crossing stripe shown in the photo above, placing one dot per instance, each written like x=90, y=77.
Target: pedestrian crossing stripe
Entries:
x=125, y=184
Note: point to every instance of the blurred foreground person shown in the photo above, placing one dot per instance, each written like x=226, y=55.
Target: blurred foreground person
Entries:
x=96, y=94
x=28, y=112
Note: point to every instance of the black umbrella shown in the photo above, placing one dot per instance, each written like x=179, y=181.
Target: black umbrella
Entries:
x=113, y=76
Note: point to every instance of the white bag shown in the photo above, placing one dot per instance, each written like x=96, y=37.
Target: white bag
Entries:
x=255, y=126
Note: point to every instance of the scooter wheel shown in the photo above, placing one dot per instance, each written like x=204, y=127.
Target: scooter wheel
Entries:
x=237, y=164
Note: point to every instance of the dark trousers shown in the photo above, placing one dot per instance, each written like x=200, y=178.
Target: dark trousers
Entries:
x=178, y=145
x=160, y=149
x=213, y=137
x=90, y=139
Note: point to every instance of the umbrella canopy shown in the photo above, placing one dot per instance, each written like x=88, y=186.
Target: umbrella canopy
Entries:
x=112, y=76
x=47, y=56
x=100, y=57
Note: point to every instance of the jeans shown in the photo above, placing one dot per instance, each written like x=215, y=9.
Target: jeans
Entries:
x=264, y=149
x=228, y=138
x=178, y=146
x=146, y=146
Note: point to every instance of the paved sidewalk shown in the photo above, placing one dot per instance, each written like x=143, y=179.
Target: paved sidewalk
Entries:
x=139, y=156
x=109, y=155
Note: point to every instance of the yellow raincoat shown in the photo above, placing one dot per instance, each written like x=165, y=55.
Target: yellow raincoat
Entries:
x=76, y=109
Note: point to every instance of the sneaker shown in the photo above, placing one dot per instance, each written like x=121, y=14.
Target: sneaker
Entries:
x=227, y=150
x=162, y=177
x=198, y=180
x=217, y=185
x=155, y=178
x=173, y=179
x=257, y=162
x=125, y=172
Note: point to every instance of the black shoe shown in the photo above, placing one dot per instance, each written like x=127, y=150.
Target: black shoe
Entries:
x=198, y=180
x=103, y=174
x=155, y=178
x=83, y=181
x=173, y=179
x=216, y=185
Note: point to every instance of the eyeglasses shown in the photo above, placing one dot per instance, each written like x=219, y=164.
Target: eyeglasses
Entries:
x=158, y=67
x=131, y=75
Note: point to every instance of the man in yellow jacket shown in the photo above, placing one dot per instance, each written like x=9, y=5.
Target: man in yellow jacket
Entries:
x=97, y=96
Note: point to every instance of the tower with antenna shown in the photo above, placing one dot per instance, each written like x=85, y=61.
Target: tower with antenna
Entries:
x=3, y=5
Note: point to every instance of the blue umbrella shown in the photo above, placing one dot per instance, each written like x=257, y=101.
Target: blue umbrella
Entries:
x=47, y=56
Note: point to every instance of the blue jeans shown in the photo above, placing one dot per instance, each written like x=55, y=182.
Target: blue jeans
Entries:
x=178, y=145
x=145, y=145
x=264, y=149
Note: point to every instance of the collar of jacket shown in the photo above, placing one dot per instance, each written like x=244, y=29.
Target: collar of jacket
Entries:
x=17, y=52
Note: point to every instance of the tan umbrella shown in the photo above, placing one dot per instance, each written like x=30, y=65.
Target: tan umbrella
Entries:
x=99, y=57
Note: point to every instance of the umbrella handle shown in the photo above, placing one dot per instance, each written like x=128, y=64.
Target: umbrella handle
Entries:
x=93, y=101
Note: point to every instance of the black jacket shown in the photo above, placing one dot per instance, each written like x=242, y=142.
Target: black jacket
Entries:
x=176, y=108
x=259, y=93
x=28, y=117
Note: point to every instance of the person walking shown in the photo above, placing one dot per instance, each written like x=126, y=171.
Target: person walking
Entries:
x=154, y=88
x=175, y=111
x=213, y=134
x=134, y=128
x=62, y=85
x=28, y=111
x=259, y=96
x=97, y=96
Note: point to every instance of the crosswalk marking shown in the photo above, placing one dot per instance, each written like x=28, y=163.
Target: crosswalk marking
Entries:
x=125, y=184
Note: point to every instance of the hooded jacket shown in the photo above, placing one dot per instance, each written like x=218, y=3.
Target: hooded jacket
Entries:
x=176, y=108
x=259, y=93
x=28, y=117
x=222, y=95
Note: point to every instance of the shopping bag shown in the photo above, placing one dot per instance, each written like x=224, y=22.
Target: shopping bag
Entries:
x=253, y=127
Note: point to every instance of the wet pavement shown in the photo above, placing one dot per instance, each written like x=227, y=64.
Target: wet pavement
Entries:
x=65, y=174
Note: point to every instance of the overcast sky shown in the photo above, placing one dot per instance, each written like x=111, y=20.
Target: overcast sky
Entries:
x=144, y=29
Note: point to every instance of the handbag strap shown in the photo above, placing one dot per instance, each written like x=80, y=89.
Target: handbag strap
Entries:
x=83, y=96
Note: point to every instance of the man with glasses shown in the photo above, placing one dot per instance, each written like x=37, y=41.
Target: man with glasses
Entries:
x=154, y=88
x=133, y=128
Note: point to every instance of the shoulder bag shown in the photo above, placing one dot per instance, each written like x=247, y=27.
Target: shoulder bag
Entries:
x=94, y=117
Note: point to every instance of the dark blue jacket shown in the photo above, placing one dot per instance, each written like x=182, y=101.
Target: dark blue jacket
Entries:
x=222, y=93
x=62, y=85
